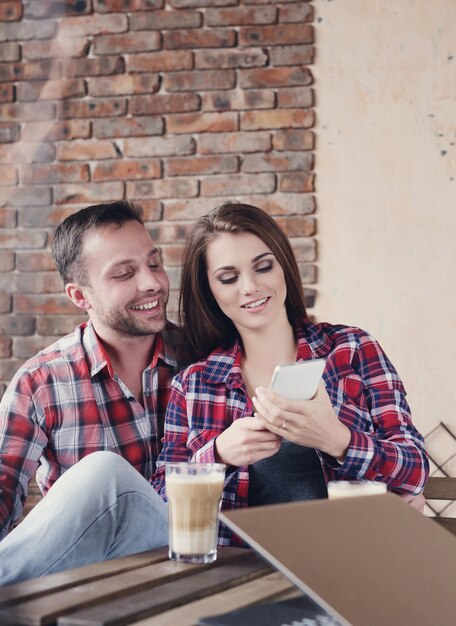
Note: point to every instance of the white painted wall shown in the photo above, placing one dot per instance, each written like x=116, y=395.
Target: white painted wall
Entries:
x=385, y=79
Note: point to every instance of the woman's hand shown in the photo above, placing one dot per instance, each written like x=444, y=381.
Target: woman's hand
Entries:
x=312, y=423
x=245, y=442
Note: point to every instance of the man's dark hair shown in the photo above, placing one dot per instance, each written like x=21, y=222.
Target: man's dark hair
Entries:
x=70, y=234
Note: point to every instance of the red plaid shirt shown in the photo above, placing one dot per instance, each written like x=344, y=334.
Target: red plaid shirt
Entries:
x=67, y=402
x=365, y=391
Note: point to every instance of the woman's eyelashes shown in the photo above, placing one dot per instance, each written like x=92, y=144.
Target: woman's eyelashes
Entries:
x=261, y=268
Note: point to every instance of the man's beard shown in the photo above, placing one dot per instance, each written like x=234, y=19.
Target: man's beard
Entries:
x=124, y=324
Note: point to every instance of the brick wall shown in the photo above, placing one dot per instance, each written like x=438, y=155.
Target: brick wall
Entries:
x=176, y=104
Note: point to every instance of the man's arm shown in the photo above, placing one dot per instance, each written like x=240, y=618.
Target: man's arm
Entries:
x=21, y=444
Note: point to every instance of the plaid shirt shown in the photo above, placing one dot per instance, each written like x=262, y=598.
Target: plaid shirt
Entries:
x=67, y=402
x=365, y=391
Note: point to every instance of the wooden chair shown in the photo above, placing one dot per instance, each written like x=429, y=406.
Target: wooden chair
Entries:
x=442, y=488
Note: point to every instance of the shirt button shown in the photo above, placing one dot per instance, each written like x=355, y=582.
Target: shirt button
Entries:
x=147, y=392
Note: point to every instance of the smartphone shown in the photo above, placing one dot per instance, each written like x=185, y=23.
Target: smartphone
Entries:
x=298, y=381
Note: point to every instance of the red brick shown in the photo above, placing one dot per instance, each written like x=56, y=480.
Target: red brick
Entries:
x=28, y=196
x=6, y=92
x=128, y=127
x=5, y=303
x=8, y=219
x=289, y=204
x=240, y=16
x=100, y=66
x=299, y=226
x=123, y=84
x=304, y=249
x=91, y=150
x=308, y=273
x=153, y=105
x=159, y=146
x=239, y=143
x=117, y=6
x=275, y=77
x=8, y=175
x=8, y=367
x=278, y=118
x=152, y=210
x=57, y=130
x=240, y=183
x=298, y=182
x=170, y=232
x=26, y=347
x=237, y=100
x=51, y=89
x=221, y=38
x=200, y=80
x=201, y=165
x=277, y=162
x=42, y=217
x=293, y=140
x=17, y=325
x=35, y=261
x=39, y=282
x=6, y=347
x=21, y=31
x=56, y=8
x=285, y=34
x=172, y=253
x=301, y=12
x=24, y=112
x=295, y=97
x=108, y=107
x=202, y=122
x=55, y=173
x=88, y=193
x=165, y=20
x=14, y=238
x=56, y=48
x=9, y=132
x=33, y=70
x=27, y=152
x=93, y=25
x=55, y=325
x=126, y=42
x=183, y=4
x=172, y=188
x=127, y=170
x=7, y=258
x=275, y=204
x=163, y=61
x=10, y=11
x=10, y=52
x=292, y=55
x=241, y=57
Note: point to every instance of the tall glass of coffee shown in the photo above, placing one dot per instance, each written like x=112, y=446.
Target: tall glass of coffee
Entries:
x=194, y=492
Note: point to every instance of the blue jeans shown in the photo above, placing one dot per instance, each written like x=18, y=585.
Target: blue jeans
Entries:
x=101, y=508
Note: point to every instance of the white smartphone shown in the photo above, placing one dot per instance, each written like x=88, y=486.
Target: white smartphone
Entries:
x=298, y=381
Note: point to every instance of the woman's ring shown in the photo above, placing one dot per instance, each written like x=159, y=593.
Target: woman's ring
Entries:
x=284, y=425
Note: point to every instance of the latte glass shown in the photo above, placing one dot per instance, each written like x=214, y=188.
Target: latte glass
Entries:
x=194, y=492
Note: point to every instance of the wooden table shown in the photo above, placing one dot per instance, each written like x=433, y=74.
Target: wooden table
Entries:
x=145, y=589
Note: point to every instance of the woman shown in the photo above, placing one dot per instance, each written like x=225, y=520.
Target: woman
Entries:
x=242, y=308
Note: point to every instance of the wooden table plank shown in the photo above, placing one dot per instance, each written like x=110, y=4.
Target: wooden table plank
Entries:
x=29, y=589
x=267, y=588
x=45, y=609
x=123, y=611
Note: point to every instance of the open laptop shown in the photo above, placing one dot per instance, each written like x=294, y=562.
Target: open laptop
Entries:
x=368, y=561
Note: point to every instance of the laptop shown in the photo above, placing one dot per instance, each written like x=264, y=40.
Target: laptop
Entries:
x=367, y=561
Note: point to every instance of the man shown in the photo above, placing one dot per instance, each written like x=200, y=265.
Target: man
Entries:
x=103, y=387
